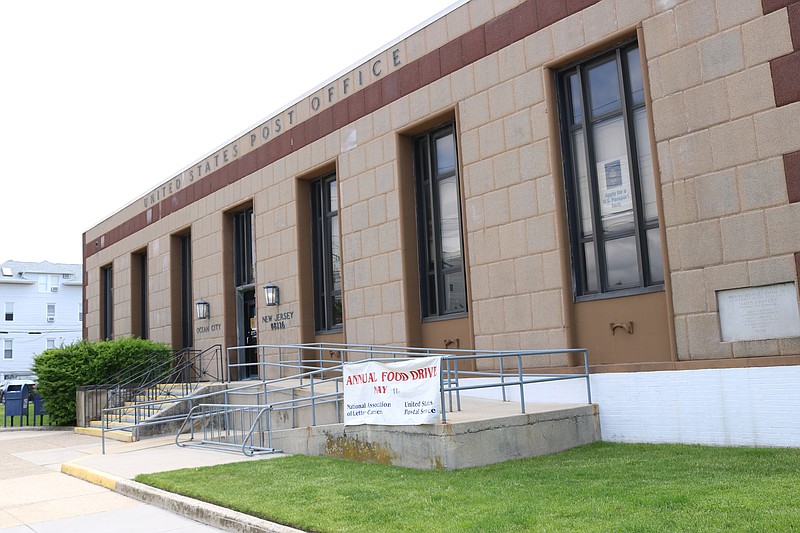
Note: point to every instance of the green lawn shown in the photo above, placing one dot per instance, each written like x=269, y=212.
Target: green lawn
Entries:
x=599, y=487
x=20, y=421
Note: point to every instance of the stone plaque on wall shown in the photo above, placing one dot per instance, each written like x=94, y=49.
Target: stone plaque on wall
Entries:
x=758, y=313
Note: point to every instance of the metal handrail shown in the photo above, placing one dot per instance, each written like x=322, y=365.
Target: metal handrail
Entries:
x=186, y=368
x=145, y=366
x=305, y=370
x=372, y=350
x=157, y=405
x=245, y=445
x=296, y=373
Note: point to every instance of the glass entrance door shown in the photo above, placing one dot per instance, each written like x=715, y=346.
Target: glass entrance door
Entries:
x=248, y=334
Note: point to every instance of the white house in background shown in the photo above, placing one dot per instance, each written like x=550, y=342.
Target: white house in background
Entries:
x=42, y=307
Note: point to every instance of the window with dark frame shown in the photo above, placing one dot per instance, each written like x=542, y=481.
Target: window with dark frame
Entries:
x=139, y=299
x=243, y=267
x=187, y=305
x=611, y=193
x=327, y=257
x=143, y=299
x=441, y=257
x=107, y=302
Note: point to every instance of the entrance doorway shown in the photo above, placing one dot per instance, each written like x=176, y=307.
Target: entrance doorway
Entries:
x=248, y=334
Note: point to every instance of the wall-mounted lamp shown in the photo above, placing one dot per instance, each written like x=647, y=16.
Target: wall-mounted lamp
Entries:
x=272, y=294
x=203, y=309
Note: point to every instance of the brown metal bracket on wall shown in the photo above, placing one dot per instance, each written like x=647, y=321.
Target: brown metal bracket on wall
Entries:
x=626, y=326
x=450, y=342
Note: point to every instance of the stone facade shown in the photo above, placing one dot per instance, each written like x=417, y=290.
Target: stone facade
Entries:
x=723, y=110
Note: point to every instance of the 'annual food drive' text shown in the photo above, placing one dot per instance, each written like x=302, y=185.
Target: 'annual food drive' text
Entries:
x=376, y=408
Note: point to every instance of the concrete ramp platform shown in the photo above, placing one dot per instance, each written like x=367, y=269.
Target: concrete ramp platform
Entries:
x=483, y=432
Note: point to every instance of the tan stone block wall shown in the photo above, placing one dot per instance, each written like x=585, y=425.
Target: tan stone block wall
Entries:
x=719, y=139
x=719, y=144
x=369, y=210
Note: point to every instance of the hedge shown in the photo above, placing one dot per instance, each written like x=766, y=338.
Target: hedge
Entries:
x=61, y=371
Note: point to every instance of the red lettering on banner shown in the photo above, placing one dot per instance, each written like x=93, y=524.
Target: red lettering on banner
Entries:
x=394, y=376
x=358, y=379
x=424, y=373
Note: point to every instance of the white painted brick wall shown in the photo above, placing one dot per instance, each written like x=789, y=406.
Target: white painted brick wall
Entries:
x=721, y=407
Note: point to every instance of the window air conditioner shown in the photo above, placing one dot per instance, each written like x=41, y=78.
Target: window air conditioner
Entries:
x=53, y=289
x=51, y=319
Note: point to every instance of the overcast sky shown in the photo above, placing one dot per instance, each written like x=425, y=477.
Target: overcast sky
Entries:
x=100, y=101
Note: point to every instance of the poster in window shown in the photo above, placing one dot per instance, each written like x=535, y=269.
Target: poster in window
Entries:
x=614, y=184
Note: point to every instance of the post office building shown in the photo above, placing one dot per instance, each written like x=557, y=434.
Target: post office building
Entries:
x=616, y=175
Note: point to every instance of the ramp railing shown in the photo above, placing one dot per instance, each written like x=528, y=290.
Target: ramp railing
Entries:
x=485, y=369
x=135, y=391
x=228, y=427
x=200, y=413
x=298, y=381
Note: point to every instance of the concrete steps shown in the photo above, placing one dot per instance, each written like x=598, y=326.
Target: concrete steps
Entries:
x=127, y=416
x=118, y=435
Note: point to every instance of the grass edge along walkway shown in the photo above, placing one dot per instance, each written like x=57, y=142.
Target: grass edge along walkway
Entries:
x=598, y=487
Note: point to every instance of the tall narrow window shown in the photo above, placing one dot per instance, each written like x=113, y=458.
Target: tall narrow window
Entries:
x=614, y=227
x=244, y=281
x=9, y=316
x=327, y=254
x=441, y=257
x=244, y=269
x=139, y=317
x=8, y=349
x=107, y=302
x=187, y=306
x=51, y=312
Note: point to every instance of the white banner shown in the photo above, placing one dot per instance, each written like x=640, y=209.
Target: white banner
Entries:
x=393, y=394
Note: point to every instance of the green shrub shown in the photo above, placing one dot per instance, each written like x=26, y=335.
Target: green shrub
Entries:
x=62, y=370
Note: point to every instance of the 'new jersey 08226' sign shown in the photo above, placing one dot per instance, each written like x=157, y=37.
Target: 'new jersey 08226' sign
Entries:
x=395, y=394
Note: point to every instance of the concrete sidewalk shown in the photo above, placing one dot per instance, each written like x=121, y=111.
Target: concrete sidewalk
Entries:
x=99, y=493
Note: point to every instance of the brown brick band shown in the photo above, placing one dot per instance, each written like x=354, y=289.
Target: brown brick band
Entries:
x=786, y=69
x=525, y=19
x=786, y=84
x=791, y=164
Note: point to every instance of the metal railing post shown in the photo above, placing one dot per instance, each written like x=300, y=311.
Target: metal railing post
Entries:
x=313, y=402
x=521, y=383
x=503, y=377
x=458, y=389
x=441, y=391
x=586, y=371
